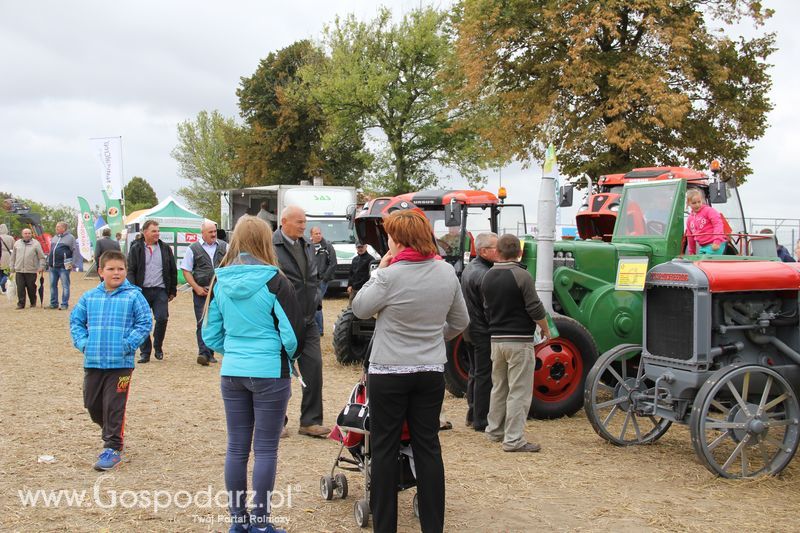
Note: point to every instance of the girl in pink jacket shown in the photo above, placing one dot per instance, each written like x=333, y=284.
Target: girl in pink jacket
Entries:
x=704, y=231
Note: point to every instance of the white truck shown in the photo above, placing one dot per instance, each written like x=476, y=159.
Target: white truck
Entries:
x=325, y=206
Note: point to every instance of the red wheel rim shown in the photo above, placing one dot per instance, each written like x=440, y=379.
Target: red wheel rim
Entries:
x=559, y=369
x=459, y=360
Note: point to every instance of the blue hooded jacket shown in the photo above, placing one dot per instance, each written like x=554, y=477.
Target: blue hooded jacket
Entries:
x=108, y=326
x=254, y=321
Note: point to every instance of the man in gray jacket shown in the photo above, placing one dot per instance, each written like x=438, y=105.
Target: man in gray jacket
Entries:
x=27, y=260
x=6, y=247
x=296, y=260
x=104, y=244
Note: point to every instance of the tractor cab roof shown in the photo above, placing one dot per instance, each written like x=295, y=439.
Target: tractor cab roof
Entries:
x=425, y=199
x=653, y=174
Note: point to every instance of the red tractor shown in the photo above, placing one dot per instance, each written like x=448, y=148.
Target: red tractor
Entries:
x=598, y=214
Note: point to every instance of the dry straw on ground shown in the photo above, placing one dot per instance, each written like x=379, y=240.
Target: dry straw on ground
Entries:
x=175, y=438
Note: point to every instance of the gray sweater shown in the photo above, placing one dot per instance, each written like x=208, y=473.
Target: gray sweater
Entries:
x=419, y=306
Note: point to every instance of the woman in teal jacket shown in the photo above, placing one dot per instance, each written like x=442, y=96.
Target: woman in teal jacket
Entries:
x=253, y=320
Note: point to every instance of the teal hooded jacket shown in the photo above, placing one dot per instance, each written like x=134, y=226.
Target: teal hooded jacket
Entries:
x=253, y=320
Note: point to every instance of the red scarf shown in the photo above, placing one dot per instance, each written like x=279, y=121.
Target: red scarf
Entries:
x=410, y=254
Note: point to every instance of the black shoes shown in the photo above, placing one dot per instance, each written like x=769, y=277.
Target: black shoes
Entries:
x=202, y=360
x=211, y=359
x=144, y=358
x=159, y=355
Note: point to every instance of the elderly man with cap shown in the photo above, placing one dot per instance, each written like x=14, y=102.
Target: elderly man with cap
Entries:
x=296, y=259
x=198, y=266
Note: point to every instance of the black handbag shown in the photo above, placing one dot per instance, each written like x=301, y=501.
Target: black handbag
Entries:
x=355, y=415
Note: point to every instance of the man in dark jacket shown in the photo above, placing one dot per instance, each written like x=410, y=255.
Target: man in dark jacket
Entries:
x=151, y=266
x=198, y=269
x=359, y=270
x=59, y=263
x=479, y=349
x=296, y=260
x=513, y=310
x=325, y=256
x=103, y=245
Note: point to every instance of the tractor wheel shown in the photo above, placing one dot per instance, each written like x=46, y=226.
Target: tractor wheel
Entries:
x=456, y=370
x=561, y=367
x=744, y=422
x=610, y=399
x=349, y=348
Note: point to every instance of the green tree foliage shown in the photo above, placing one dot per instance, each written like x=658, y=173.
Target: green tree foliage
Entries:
x=283, y=140
x=390, y=81
x=139, y=195
x=616, y=85
x=204, y=154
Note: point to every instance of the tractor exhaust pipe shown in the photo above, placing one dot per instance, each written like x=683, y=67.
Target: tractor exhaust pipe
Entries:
x=545, y=236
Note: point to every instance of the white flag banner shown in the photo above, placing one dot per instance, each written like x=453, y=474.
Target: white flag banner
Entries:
x=84, y=242
x=108, y=152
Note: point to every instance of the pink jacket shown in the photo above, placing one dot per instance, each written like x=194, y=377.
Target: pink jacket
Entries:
x=704, y=227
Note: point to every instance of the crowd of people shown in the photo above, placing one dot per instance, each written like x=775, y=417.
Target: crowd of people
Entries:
x=257, y=301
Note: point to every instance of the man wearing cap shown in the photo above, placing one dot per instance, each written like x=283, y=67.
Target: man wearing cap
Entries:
x=359, y=270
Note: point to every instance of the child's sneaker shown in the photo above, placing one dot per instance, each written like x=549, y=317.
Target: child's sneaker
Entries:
x=108, y=459
x=269, y=528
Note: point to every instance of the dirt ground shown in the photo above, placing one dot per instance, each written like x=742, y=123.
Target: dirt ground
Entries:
x=175, y=448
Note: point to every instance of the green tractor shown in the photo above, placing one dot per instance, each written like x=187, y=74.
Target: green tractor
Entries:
x=593, y=287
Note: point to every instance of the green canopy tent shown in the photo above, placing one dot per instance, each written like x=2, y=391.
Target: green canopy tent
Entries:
x=180, y=228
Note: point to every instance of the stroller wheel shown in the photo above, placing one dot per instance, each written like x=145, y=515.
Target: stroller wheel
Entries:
x=415, y=505
x=361, y=512
x=340, y=482
x=326, y=487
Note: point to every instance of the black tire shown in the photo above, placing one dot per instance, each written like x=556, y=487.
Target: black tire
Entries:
x=554, y=398
x=361, y=513
x=456, y=370
x=326, y=487
x=348, y=347
x=340, y=486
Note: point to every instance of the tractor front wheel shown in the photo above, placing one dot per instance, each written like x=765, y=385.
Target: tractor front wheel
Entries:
x=349, y=346
x=561, y=367
x=456, y=370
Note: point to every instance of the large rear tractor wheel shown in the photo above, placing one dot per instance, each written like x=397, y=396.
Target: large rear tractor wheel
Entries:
x=561, y=367
x=456, y=370
x=612, y=388
x=745, y=422
x=349, y=345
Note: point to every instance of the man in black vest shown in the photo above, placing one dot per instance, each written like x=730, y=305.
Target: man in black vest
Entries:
x=198, y=266
x=296, y=259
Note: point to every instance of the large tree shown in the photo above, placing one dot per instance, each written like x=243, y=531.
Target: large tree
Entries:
x=139, y=194
x=618, y=84
x=390, y=81
x=204, y=154
x=283, y=138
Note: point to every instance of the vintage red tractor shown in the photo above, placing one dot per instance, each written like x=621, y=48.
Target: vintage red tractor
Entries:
x=720, y=353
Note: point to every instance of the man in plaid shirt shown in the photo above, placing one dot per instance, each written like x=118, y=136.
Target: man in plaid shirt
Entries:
x=108, y=324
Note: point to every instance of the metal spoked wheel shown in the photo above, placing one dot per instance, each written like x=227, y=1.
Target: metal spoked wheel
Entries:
x=745, y=422
x=361, y=512
x=610, y=399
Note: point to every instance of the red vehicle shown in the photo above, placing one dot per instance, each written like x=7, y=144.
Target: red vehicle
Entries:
x=596, y=217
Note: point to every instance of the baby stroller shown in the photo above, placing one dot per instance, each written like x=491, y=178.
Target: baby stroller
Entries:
x=352, y=432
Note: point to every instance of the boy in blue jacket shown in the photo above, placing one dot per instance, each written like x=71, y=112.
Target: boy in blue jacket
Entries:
x=108, y=324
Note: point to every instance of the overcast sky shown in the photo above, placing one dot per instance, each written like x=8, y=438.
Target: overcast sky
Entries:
x=75, y=70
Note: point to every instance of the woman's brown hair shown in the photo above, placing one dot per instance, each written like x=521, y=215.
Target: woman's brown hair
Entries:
x=410, y=228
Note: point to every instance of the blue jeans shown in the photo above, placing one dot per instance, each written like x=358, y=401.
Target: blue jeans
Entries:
x=253, y=406
x=3, y=280
x=57, y=274
x=323, y=287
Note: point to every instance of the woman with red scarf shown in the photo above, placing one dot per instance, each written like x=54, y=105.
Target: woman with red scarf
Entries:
x=418, y=301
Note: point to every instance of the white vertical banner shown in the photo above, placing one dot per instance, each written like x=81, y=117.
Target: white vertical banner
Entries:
x=84, y=242
x=108, y=152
